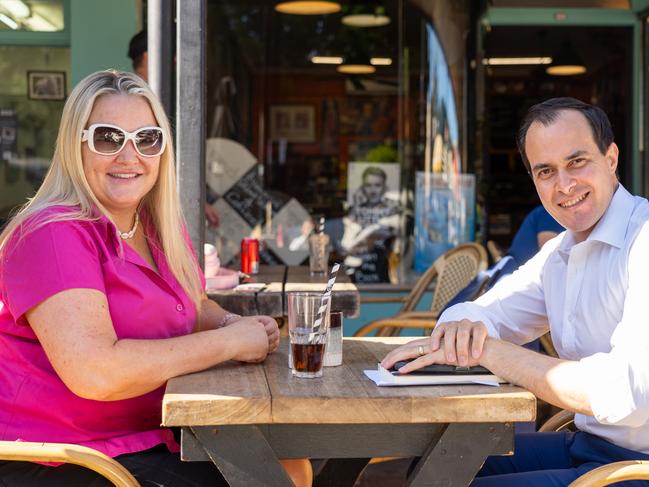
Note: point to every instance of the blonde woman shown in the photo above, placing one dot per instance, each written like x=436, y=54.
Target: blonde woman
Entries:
x=101, y=298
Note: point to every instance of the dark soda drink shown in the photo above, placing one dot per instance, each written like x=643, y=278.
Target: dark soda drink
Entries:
x=307, y=357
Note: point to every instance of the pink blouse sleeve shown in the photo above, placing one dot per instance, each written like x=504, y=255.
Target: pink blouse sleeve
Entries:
x=55, y=257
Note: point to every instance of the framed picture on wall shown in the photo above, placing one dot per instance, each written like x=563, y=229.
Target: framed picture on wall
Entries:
x=293, y=123
x=46, y=85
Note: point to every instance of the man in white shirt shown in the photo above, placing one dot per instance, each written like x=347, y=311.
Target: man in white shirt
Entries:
x=587, y=286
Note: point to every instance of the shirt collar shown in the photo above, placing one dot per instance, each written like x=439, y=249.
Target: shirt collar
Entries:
x=108, y=228
x=611, y=228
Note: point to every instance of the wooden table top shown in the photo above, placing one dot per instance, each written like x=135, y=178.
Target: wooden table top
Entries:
x=269, y=302
x=267, y=393
x=280, y=280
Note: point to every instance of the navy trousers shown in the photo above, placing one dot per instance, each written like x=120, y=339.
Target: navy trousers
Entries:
x=553, y=460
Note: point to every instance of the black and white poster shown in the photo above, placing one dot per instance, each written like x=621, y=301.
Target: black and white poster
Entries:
x=372, y=222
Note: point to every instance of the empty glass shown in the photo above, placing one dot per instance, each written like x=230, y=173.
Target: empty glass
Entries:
x=318, y=253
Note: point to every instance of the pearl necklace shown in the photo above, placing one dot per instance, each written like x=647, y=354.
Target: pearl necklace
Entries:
x=131, y=232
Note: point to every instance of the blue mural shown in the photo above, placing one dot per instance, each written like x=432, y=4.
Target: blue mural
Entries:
x=444, y=198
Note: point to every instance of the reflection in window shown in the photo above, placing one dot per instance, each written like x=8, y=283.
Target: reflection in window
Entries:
x=314, y=116
x=445, y=199
x=32, y=94
x=32, y=15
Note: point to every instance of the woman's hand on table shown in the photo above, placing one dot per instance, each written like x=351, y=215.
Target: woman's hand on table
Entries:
x=251, y=334
x=272, y=331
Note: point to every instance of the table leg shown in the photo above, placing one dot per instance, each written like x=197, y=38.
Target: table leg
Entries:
x=340, y=472
x=242, y=455
x=455, y=459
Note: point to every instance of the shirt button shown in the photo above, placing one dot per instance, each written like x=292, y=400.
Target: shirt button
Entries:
x=179, y=307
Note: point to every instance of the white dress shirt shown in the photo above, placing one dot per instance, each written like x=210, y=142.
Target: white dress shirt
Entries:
x=592, y=297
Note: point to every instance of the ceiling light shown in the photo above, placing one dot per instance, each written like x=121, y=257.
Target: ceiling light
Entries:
x=566, y=62
x=8, y=21
x=566, y=70
x=52, y=13
x=356, y=69
x=357, y=60
x=365, y=14
x=365, y=20
x=17, y=8
x=516, y=61
x=327, y=60
x=308, y=7
x=39, y=24
x=380, y=61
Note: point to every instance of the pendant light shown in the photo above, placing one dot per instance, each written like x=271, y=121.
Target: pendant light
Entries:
x=308, y=7
x=356, y=69
x=357, y=61
x=566, y=62
x=366, y=16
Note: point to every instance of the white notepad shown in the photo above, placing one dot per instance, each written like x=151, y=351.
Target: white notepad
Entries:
x=383, y=377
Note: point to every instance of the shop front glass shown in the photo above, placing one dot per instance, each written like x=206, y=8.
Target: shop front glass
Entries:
x=32, y=15
x=32, y=93
x=645, y=105
x=348, y=118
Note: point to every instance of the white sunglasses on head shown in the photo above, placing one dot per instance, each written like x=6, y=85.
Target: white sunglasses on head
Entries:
x=106, y=139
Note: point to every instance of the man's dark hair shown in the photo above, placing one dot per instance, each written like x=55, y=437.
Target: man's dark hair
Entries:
x=374, y=171
x=547, y=113
x=137, y=47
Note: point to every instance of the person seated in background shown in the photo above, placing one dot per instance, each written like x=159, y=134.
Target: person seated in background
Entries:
x=587, y=286
x=537, y=228
x=102, y=300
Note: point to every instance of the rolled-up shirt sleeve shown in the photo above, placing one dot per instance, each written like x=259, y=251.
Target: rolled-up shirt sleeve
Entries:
x=617, y=385
x=617, y=381
x=514, y=309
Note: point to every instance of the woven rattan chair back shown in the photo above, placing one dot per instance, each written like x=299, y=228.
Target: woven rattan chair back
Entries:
x=456, y=271
x=453, y=270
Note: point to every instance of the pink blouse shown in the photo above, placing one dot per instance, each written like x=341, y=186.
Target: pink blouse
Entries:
x=35, y=405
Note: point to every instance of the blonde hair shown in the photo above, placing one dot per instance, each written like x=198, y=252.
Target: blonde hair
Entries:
x=65, y=183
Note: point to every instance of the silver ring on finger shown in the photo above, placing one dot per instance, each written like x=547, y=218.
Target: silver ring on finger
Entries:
x=420, y=350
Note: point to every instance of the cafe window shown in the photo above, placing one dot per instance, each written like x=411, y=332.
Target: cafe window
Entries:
x=32, y=93
x=32, y=15
x=348, y=116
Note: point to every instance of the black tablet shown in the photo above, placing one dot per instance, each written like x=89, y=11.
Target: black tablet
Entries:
x=438, y=369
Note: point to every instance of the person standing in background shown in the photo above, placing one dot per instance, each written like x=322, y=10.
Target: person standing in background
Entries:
x=138, y=52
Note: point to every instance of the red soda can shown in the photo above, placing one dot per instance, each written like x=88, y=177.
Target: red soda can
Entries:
x=250, y=255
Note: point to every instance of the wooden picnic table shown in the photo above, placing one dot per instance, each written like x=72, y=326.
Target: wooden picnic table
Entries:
x=280, y=280
x=245, y=417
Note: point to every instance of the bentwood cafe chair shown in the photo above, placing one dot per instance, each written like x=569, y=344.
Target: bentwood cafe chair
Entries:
x=65, y=453
x=453, y=271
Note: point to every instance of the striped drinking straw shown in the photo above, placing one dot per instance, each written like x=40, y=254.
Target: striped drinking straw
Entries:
x=324, y=301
